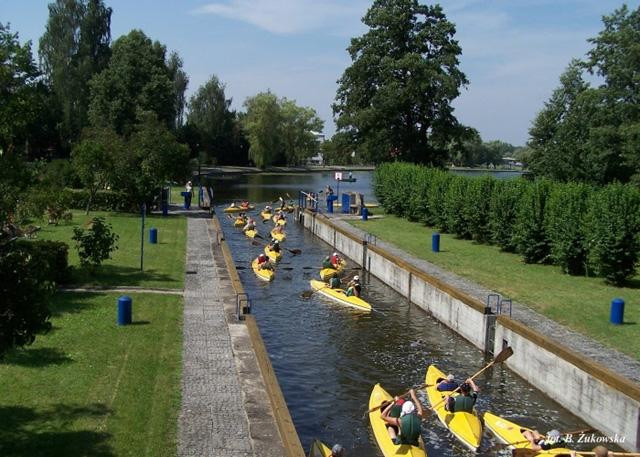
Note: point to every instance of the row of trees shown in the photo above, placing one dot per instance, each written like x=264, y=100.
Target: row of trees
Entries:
x=583, y=229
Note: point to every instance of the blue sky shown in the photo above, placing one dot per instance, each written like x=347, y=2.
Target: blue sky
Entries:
x=513, y=50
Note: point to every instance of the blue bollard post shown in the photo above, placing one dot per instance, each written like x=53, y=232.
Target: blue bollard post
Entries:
x=153, y=235
x=617, y=311
x=124, y=310
x=165, y=209
x=346, y=203
x=365, y=214
x=435, y=242
x=329, y=205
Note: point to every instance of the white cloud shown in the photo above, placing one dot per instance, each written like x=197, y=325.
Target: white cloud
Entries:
x=286, y=17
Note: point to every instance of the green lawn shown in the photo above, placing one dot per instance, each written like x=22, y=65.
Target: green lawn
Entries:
x=578, y=302
x=164, y=263
x=91, y=388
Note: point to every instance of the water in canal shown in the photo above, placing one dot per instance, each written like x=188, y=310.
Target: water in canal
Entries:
x=328, y=357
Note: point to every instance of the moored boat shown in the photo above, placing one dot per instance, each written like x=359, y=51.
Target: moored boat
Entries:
x=339, y=295
x=388, y=448
x=466, y=427
x=263, y=273
x=510, y=433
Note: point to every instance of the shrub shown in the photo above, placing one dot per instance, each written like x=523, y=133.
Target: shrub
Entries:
x=439, y=181
x=95, y=244
x=53, y=256
x=503, y=212
x=565, y=225
x=454, y=204
x=476, y=207
x=613, y=226
x=530, y=233
x=104, y=200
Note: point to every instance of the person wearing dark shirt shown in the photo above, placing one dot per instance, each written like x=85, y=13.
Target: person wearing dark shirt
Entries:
x=466, y=400
x=446, y=384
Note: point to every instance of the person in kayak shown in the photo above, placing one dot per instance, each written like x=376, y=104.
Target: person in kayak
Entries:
x=337, y=451
x=446, y=384
x=263, y=262
x=465, y=401
x=405, y=428
x=274, y=246
x=599, y=451
x=334, y=282
x=326, y=263
x=267, y=209
x=251, y=225
x=244, y=204
x=544, y=443
x=335, y=260
x=278, y=229
x=281, y=216
x=354, y=288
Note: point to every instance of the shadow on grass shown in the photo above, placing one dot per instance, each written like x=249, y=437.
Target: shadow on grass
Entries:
x=140, y=323
x=28, y=432
x=71, y=302
x=115, y=275
x=36, y=358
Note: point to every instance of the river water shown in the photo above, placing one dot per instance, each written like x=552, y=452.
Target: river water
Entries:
x=328, y=357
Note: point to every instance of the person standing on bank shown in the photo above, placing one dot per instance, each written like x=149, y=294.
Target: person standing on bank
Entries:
x=189, y=189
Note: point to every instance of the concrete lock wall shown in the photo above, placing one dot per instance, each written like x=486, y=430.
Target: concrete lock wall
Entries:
x=603, y=399
x=606, y=401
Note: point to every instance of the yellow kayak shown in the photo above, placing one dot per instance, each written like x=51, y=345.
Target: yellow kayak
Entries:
x=251, y=233
x=278, y=236
x=510, y=433
x=266, y=215
x=339, y=295
x=239, y=222
x=379, y=395
x=238, y=209
x=289, y=209
x=273, y=255
x=319, y=449
x=464, y=426
x=262, y=273
x=279, y=221
x=327, y=273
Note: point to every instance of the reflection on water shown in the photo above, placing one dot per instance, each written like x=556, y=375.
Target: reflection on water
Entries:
x=328, y=357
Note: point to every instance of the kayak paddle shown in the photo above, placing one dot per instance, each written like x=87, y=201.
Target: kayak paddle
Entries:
x=575, y=432
x=386, y=403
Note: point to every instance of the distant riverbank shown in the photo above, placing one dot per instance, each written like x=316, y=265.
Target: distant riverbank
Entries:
x=233, y=170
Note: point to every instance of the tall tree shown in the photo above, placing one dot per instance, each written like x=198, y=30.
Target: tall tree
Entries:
x=395, y=98
x=263, y=126
x=299, y=125
x=215, y=123
x=74, y=47
x=180, y=83
x=136, y=79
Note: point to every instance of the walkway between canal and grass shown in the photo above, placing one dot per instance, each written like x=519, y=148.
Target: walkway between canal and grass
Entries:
x=548, y=301
x=226, y=411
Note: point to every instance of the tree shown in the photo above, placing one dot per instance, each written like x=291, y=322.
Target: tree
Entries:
x=395, y=98
x=180, y=82
x=24, y=308
x=95, y=244
x=214, y=122
x=19, y=93
x=92, y=163
x=299, y=125
x=262, y=124
x=74, y=47
x=136, y=79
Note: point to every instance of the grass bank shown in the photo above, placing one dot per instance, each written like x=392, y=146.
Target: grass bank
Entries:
x=580, y=303
x=163, y=262
x=90, y=387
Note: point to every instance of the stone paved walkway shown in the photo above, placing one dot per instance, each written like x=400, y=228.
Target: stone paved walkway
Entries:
x=608, y=357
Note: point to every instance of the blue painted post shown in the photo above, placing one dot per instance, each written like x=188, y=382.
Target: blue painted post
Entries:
x=617, y=311
x=153, y=235
x=435, y=242
x=124, y=310
x=330, y=204
x=365, y=214
x=346, y=203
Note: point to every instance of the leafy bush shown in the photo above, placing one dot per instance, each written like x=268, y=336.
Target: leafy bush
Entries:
x=53, y=257
x=96, y=243
x=565, y=224
x=104, y=200
x=477, y=207
x=439, y=181
x=613, y=225
x=25, y=293
x=530, y=234
x=454, y=208
x=503, y=212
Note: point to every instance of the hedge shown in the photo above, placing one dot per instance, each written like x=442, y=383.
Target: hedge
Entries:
x=53, y=256
x=581, y=229
x=104, y=200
